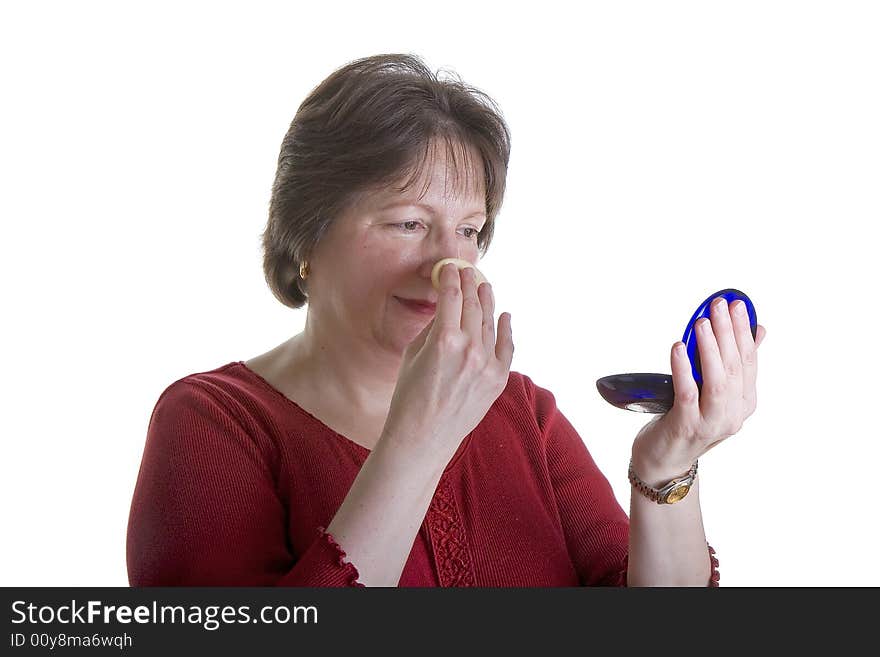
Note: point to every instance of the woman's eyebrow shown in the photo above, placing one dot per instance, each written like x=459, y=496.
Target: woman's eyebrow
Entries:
x=427, y=207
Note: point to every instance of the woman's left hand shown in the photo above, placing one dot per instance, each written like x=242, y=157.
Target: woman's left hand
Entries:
x=669, y=444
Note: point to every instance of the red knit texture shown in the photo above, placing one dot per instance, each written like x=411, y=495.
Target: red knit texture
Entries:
x=238, y=483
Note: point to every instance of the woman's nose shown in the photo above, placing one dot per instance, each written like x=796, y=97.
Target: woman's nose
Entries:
x=445, y=245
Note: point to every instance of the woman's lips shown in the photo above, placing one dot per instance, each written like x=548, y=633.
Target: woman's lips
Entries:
x=418, y=307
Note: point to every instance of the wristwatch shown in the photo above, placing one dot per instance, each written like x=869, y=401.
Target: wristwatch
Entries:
x=670, y=492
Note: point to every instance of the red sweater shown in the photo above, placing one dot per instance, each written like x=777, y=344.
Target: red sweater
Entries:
x=237, y=483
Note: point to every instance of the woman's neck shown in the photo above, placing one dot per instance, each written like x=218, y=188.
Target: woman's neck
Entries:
x=342, y=373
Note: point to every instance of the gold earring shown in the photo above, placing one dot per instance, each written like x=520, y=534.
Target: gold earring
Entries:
x=304, y=270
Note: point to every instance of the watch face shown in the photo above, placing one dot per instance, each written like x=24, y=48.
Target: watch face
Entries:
x=677, y=494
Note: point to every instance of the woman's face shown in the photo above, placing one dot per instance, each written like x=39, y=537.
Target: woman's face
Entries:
x=383, y=248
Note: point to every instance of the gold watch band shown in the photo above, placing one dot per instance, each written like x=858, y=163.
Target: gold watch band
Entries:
x=663, y=494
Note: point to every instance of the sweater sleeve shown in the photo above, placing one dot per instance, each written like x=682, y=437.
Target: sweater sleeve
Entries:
x=206, y=509
x=595, y=525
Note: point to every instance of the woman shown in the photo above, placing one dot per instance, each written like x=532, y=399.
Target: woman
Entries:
x=389, y=443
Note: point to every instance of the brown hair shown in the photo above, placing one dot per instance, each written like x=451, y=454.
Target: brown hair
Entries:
x=362, y=128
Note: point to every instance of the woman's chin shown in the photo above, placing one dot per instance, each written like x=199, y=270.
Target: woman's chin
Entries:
x=407, y=332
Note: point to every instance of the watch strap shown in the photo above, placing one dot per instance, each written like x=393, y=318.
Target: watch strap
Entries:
x=659, y=494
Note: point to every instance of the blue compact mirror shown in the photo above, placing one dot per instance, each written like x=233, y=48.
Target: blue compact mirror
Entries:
x=654, y=393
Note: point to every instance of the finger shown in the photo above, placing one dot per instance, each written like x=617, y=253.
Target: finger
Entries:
x=487, y=299
x=747, y=351
x=687, y=396
x=713, y=395
x=471, y=308
x=725, y=337
x=504, y=345
x=448, y=315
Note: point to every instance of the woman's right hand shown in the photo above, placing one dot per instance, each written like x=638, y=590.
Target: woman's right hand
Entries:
x=454, y=370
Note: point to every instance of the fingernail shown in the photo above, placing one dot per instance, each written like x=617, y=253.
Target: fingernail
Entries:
x=740, y=308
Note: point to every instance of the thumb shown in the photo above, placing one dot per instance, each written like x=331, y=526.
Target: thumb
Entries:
x=760, y=333
x=419, y=341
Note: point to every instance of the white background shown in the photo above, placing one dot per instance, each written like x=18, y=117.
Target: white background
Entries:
x=661, y=152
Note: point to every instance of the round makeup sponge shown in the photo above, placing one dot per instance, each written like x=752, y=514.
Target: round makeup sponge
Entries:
x=458, y=262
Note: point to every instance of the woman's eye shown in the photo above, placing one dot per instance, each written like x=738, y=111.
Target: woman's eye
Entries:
x=412, y=225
